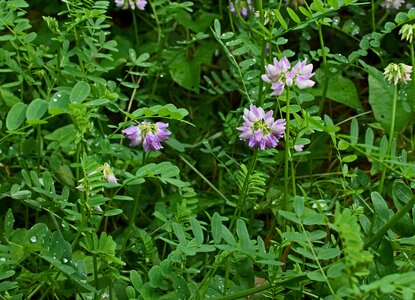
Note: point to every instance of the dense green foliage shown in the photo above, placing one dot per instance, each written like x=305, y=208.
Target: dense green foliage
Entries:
x=205, y=217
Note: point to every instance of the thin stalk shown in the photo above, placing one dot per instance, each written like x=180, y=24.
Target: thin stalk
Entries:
x=384, y=229
x=244, y=192
x=391, y=132
x=287, y=152
x=95, y=263
x=373, y=16
x=326, y=81
x=205, y=179
x=261, y=83
x=135, y=28
x=413, y=82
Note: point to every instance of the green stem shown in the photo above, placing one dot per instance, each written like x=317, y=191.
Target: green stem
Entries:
x=261, y=82
x=244, y=192
x=95, y=263
x=326, y=80
x=205, y=179
x=287, y=152
x=384, y=229
x=391, y=132
x=373, y=16
x=135, y=28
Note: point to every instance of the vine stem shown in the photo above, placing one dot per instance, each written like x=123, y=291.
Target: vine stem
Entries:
x=263, y=50
x=391, y=132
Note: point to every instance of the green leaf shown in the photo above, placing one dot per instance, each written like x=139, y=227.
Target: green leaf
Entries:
x=341, y=90
x=16, y=116
x=58, y=104
x=289, y=216
x=329, y=253
x=197, y=230
x=243, y=234
x=354, y=131
x=381, y=101
x=37, y=108
x=281, y=19
x=156, y=278
x=216, y=228
x=179, y=232
x=299, y=205
x=293, y=15
x=79, y=92
x=8, y=223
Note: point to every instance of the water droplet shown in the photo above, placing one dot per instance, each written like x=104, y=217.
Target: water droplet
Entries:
x=54, y=100
x=33, y=239
x=63, y=225
x=2, y=259
x=65, y=260
x=58, y=95
x=54, y=257
x=161, y=75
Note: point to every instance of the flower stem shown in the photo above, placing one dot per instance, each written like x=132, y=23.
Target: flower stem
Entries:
x=391, y=132
x=287, y=153
x=244, y=192
x=326, y=80
x=263, y=50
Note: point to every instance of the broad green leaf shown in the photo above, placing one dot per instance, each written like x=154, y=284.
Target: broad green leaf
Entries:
x=8, y=97
x=197, y=230
x=289, y=216
x=58, y=104
x=155, y=276
x=299, y=205
x=216, y=228
x=329, y=253
x=179, y=232
x=243, y=234
x=381, y=101
x=35, y=111
x=79, y=92
x=341, y=90
x=16, y=116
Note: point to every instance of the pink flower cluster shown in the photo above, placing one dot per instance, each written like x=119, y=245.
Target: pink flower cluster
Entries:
x=280, y=74
x=124, y=4
x=149, y=134
x=260, y=130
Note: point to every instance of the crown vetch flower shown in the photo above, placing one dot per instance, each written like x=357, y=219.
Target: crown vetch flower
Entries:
x=280, y=74
x=260, y=130
x=108, y=174
x=149, y=134
x=395, y=73
x=124, y=4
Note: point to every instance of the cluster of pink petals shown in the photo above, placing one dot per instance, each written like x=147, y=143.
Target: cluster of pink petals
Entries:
x=260, y=130
x=124, y=4
x=280, y=74
x=149, y=134
x=396, y=4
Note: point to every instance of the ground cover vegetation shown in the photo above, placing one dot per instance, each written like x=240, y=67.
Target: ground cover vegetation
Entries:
x=207, y=149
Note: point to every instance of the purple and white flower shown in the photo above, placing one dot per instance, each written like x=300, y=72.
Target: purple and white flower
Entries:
x=125, y=4
x=149, y=134
x=280, y=74
x=260, y=130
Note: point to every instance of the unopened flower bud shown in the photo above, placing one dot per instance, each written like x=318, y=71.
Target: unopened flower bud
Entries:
x=398, y=72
